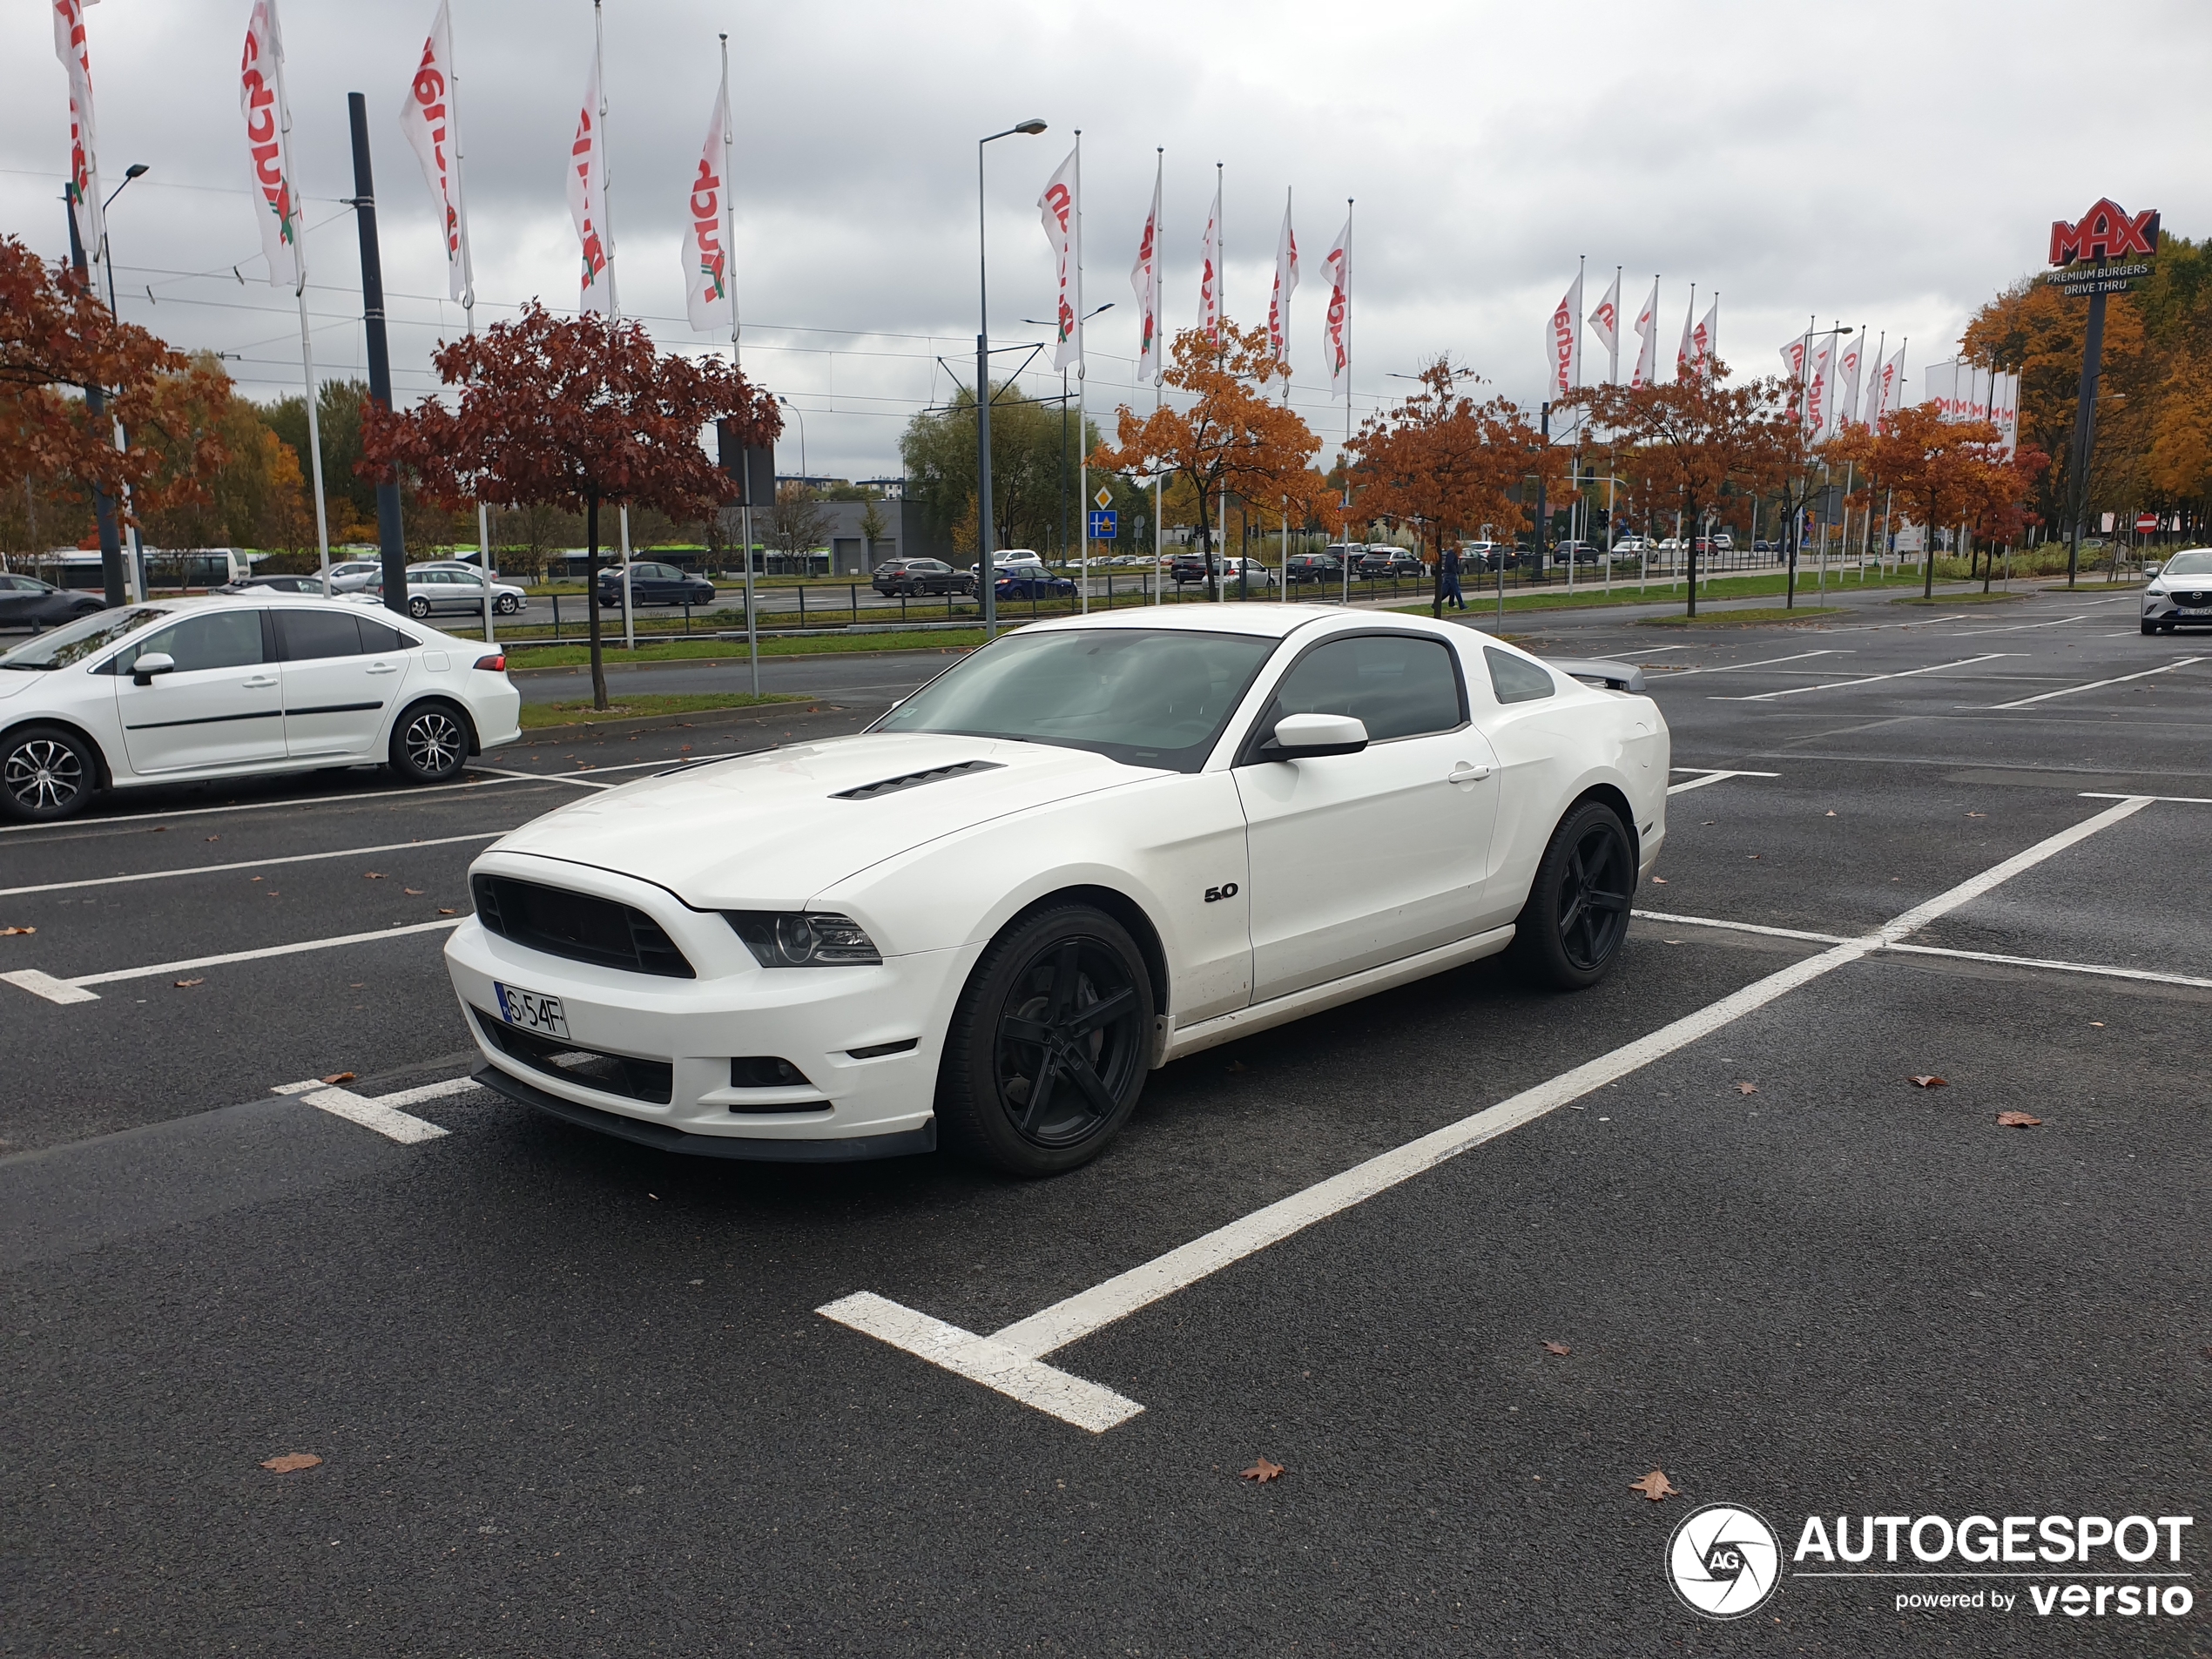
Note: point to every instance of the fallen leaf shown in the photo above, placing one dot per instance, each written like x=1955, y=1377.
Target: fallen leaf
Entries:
x=2018, y=1120
x=161, y=829
x=1977, y=814
x=214, y=837
x=2095, y=1022
x=1751, y=855
x=1236, y=1065
x=414, y=893
x=1654, y=1485
x=9, y=933
x=184, y=984
x=1660, y=880
x=255, y=878
x=1931, y=1083
x=448, y=912
x=292, y=1460
x=340, y=1077
x=1262, y=1471
x=1747, y=1088
x=684, y=750
x=1831, y=812
x=372, y=875
x=1557, y=1347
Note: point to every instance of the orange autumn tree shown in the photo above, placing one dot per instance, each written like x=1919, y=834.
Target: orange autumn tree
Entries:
x=1943, y=472
x=569, y=412
x=1689, y=441
x=1447, y=464
x=1225, y=433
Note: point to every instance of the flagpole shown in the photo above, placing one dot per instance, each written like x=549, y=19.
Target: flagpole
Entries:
x=1082, y=407
x=1214, y=586
x=468, y=307
x=1283, y=581
x=299, y=265
x=1159, y=478
x=1343, y=454
x=614, y=299
x=1613, y=362
x=736, y=359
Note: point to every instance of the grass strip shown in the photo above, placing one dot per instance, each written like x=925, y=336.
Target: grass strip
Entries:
x=538, y=715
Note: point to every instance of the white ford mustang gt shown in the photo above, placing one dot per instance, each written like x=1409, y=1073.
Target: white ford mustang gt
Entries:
x=1092, y=848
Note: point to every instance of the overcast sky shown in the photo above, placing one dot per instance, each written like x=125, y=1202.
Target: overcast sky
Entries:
x=1886, y=164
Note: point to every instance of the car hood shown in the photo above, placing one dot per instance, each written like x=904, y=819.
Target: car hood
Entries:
x=769, y=830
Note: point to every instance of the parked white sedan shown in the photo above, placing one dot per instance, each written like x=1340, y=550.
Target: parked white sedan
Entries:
x=1089, y=848
x=180, y=690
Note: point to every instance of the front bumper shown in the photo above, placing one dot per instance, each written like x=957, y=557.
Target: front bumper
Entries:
x=2164, y=607
x=683, y=1033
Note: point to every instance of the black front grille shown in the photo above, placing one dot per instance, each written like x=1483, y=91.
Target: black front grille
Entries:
x=2192, y=599
x=651, y=1081
x=908, y=780
x=577, y=926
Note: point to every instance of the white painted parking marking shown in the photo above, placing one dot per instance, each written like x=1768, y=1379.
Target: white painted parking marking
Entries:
x=1841, y=686
x=1125, y=1293
x=1674, y=673
x=2178, y=800
x=1712, y=777
x=1023, y=1377
x=421, y=1092
x=1674, y=921
x=251, y=864
x=2026, y=627
x=366, y=797
x=45, y=985
x=72, y=990
x=557, y=777
x=374, y=1114
x=2092, y=685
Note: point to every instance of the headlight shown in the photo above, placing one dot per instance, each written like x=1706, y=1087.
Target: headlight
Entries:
x=790, y=939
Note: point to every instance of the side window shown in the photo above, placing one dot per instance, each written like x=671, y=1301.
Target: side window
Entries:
x=1515, y=680
x=304, y=635
x=1396, y=686
x=376, y=637
x=212, y=639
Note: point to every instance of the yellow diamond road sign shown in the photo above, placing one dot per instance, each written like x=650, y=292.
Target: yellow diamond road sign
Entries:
x=1104, y=498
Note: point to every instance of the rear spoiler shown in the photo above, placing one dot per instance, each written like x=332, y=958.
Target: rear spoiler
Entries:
x=1617, y=677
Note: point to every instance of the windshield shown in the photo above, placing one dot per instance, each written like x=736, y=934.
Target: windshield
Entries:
x=1142, y=696
x=60, y=647
x=2198, y=563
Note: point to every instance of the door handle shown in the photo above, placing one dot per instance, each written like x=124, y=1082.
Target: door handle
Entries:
x=383, y=668
x=258, y=682
x=1467, y=773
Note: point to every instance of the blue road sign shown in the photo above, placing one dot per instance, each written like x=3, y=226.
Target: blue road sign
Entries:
x=1104, y=524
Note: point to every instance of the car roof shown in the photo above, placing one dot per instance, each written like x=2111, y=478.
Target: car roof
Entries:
x=1273, y=617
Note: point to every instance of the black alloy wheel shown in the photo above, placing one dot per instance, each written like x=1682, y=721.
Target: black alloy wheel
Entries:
x=430, y=744
x=1570, y=930
x=46, y=773
x=1050, y=1046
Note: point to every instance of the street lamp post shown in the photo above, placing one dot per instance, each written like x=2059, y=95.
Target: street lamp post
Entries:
x=805, y=472
x=1030, y=128
x=122, y=440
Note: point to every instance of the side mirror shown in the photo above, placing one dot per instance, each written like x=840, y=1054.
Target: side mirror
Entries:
x=2150, y=571
x=154, y=662
x=1299, y=736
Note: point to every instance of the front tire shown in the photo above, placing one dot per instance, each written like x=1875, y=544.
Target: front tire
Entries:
x=1569, y=933
x=1047, y=1049
x=2150, y=627
x=47, y=773
x=430, y=744
x=419, y=608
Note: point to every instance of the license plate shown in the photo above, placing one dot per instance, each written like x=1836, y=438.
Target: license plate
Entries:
x=2192, y=611
x=532, y=1010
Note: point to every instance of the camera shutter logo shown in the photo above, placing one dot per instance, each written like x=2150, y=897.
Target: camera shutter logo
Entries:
x=1724, y=1561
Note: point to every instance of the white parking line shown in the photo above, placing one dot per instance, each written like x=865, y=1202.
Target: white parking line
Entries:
x=2122, y=679
x=554, y=777
x=250, y=863
x=72, y=990
x=2024, y=627
x=366, y=797
x=990, y=1360
x=1738, y=926
x=1673, y=674
x=374, y=1114
x=2178, y=800
x=1838, y=686
x=1712, y=777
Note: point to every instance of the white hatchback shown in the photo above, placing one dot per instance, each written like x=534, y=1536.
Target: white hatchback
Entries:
x=227, y=686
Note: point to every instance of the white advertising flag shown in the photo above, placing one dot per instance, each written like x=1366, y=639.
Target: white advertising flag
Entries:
x=1793, y=361
x=1939, y=389
x=707, y=261
x=1847, y=375
x=1209, y=271
x=1144, y=277
x=2007, y=413
x=1605, y=321
x=1705, y=343
x=1820, y=386
x=1337, y=337
x=84, y=203
x=427, y=118
x=1686, y=351
x=588, y=205
x=1887, y=386
x=260, y=99
x=1057, y=211
x=1564, y=337
x=1647, y=370
x=1278, y=303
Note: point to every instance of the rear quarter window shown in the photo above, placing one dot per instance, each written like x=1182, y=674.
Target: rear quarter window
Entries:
x=1515, y=679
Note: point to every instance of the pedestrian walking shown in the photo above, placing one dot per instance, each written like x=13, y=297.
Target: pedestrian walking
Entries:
x=1451, y=575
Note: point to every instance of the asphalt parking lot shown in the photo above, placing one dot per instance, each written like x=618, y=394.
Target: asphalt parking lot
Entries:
x=571, y=1396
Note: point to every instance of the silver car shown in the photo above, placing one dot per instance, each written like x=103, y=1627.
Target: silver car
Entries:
x=450, y=589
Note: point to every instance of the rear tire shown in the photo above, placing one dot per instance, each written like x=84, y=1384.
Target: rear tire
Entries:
x=1569, y=933
x=429, y=744
x=506, y=605
x=47, y=773
x=419, y=608
x=1050, y=1044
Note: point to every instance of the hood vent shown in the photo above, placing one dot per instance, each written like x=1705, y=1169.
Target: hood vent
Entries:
x=908, y=780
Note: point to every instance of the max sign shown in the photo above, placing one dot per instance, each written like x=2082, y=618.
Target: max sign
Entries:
x=2106, y=233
